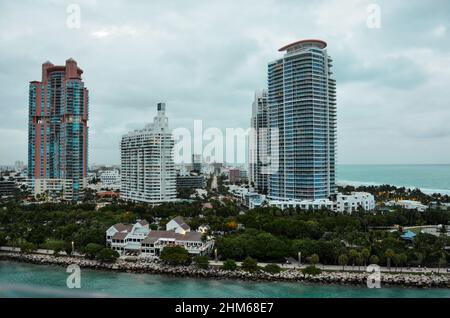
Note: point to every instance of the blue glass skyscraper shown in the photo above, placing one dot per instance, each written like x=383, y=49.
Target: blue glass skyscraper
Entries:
x=302, y=108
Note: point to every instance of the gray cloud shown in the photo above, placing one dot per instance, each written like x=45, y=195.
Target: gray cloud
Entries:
x=205, y=59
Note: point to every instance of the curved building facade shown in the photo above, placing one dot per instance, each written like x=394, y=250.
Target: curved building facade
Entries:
x=302, y=108
x=58, y=132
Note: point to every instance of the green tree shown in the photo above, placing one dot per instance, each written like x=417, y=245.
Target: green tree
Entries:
x=374, y=259
x=418, y=258
x=311, y=270
x=353, y=255
x=56, y=245
x=2, y=239
x=389, y=254
x=250, y=264
x=442, y=261
x=175, y=255
x=343, y=260
x=229, y=265
x=359, y=260
x=396, y=260
x=365, y=254
x=37, y=235
x=27, y=247
x=202, y=262
x=107, y=255
x=314, y=259
x=91, y=250
x=272, y=268
x=403, y=260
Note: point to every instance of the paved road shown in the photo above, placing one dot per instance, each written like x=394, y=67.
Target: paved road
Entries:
x=349, y=268
x=38, y=251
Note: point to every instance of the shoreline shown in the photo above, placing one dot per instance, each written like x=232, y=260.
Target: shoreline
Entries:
x=427, y=191
x=290, y=275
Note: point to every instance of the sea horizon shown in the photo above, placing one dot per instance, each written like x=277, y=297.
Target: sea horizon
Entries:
x=429, y=178
x=393, y=164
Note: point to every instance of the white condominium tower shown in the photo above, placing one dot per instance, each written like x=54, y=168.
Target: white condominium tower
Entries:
x=147, y=165
x=302, y=107
x=258, y=156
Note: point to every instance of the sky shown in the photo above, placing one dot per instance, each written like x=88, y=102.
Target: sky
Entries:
x=205, y=59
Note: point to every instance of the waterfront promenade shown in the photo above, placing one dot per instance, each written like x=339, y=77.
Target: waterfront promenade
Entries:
x=290, y=265
x=350, y=268
x=420, y=280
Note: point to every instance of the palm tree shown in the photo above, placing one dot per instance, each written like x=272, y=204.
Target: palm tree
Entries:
x=389, y=253
x=343, y=260
x=403, y=260
x=359, y=260
x=314, y=259
x=419, y=257
x=443, y=230
x=365, y=254
x=353, y=254
x=374, y=259
x=442, y=261
x=396, y=260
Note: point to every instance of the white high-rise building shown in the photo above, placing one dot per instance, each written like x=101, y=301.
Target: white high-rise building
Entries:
x=258, y=152
x=147, y=164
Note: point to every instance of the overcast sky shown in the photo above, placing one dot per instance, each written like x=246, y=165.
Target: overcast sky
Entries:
x=206, y=58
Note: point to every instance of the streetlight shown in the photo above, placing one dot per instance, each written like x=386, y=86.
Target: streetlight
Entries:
x=72, y=248
x=215, y=254
x=300, y=258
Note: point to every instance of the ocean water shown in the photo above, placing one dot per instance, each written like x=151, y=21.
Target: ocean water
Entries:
x=428, y=178
x=28, y=280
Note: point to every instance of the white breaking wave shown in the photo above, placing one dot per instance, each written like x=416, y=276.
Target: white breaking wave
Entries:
x=367, y=184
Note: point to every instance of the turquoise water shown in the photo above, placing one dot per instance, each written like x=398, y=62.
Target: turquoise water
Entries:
x=28, y=280
x=429, y=178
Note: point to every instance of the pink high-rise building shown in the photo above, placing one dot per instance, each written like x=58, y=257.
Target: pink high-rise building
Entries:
x=58, y=132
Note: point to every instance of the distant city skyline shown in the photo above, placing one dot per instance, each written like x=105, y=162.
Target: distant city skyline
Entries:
x=392, y=81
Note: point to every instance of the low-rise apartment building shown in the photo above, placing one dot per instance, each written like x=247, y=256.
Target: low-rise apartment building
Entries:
x=353, y=201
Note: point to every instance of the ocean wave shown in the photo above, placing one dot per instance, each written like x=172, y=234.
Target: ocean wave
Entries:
x=364, y=183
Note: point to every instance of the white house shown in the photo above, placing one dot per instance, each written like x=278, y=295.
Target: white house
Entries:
x=351, y=202
x=178, y=225
x=126, y=237
x=139, y=240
